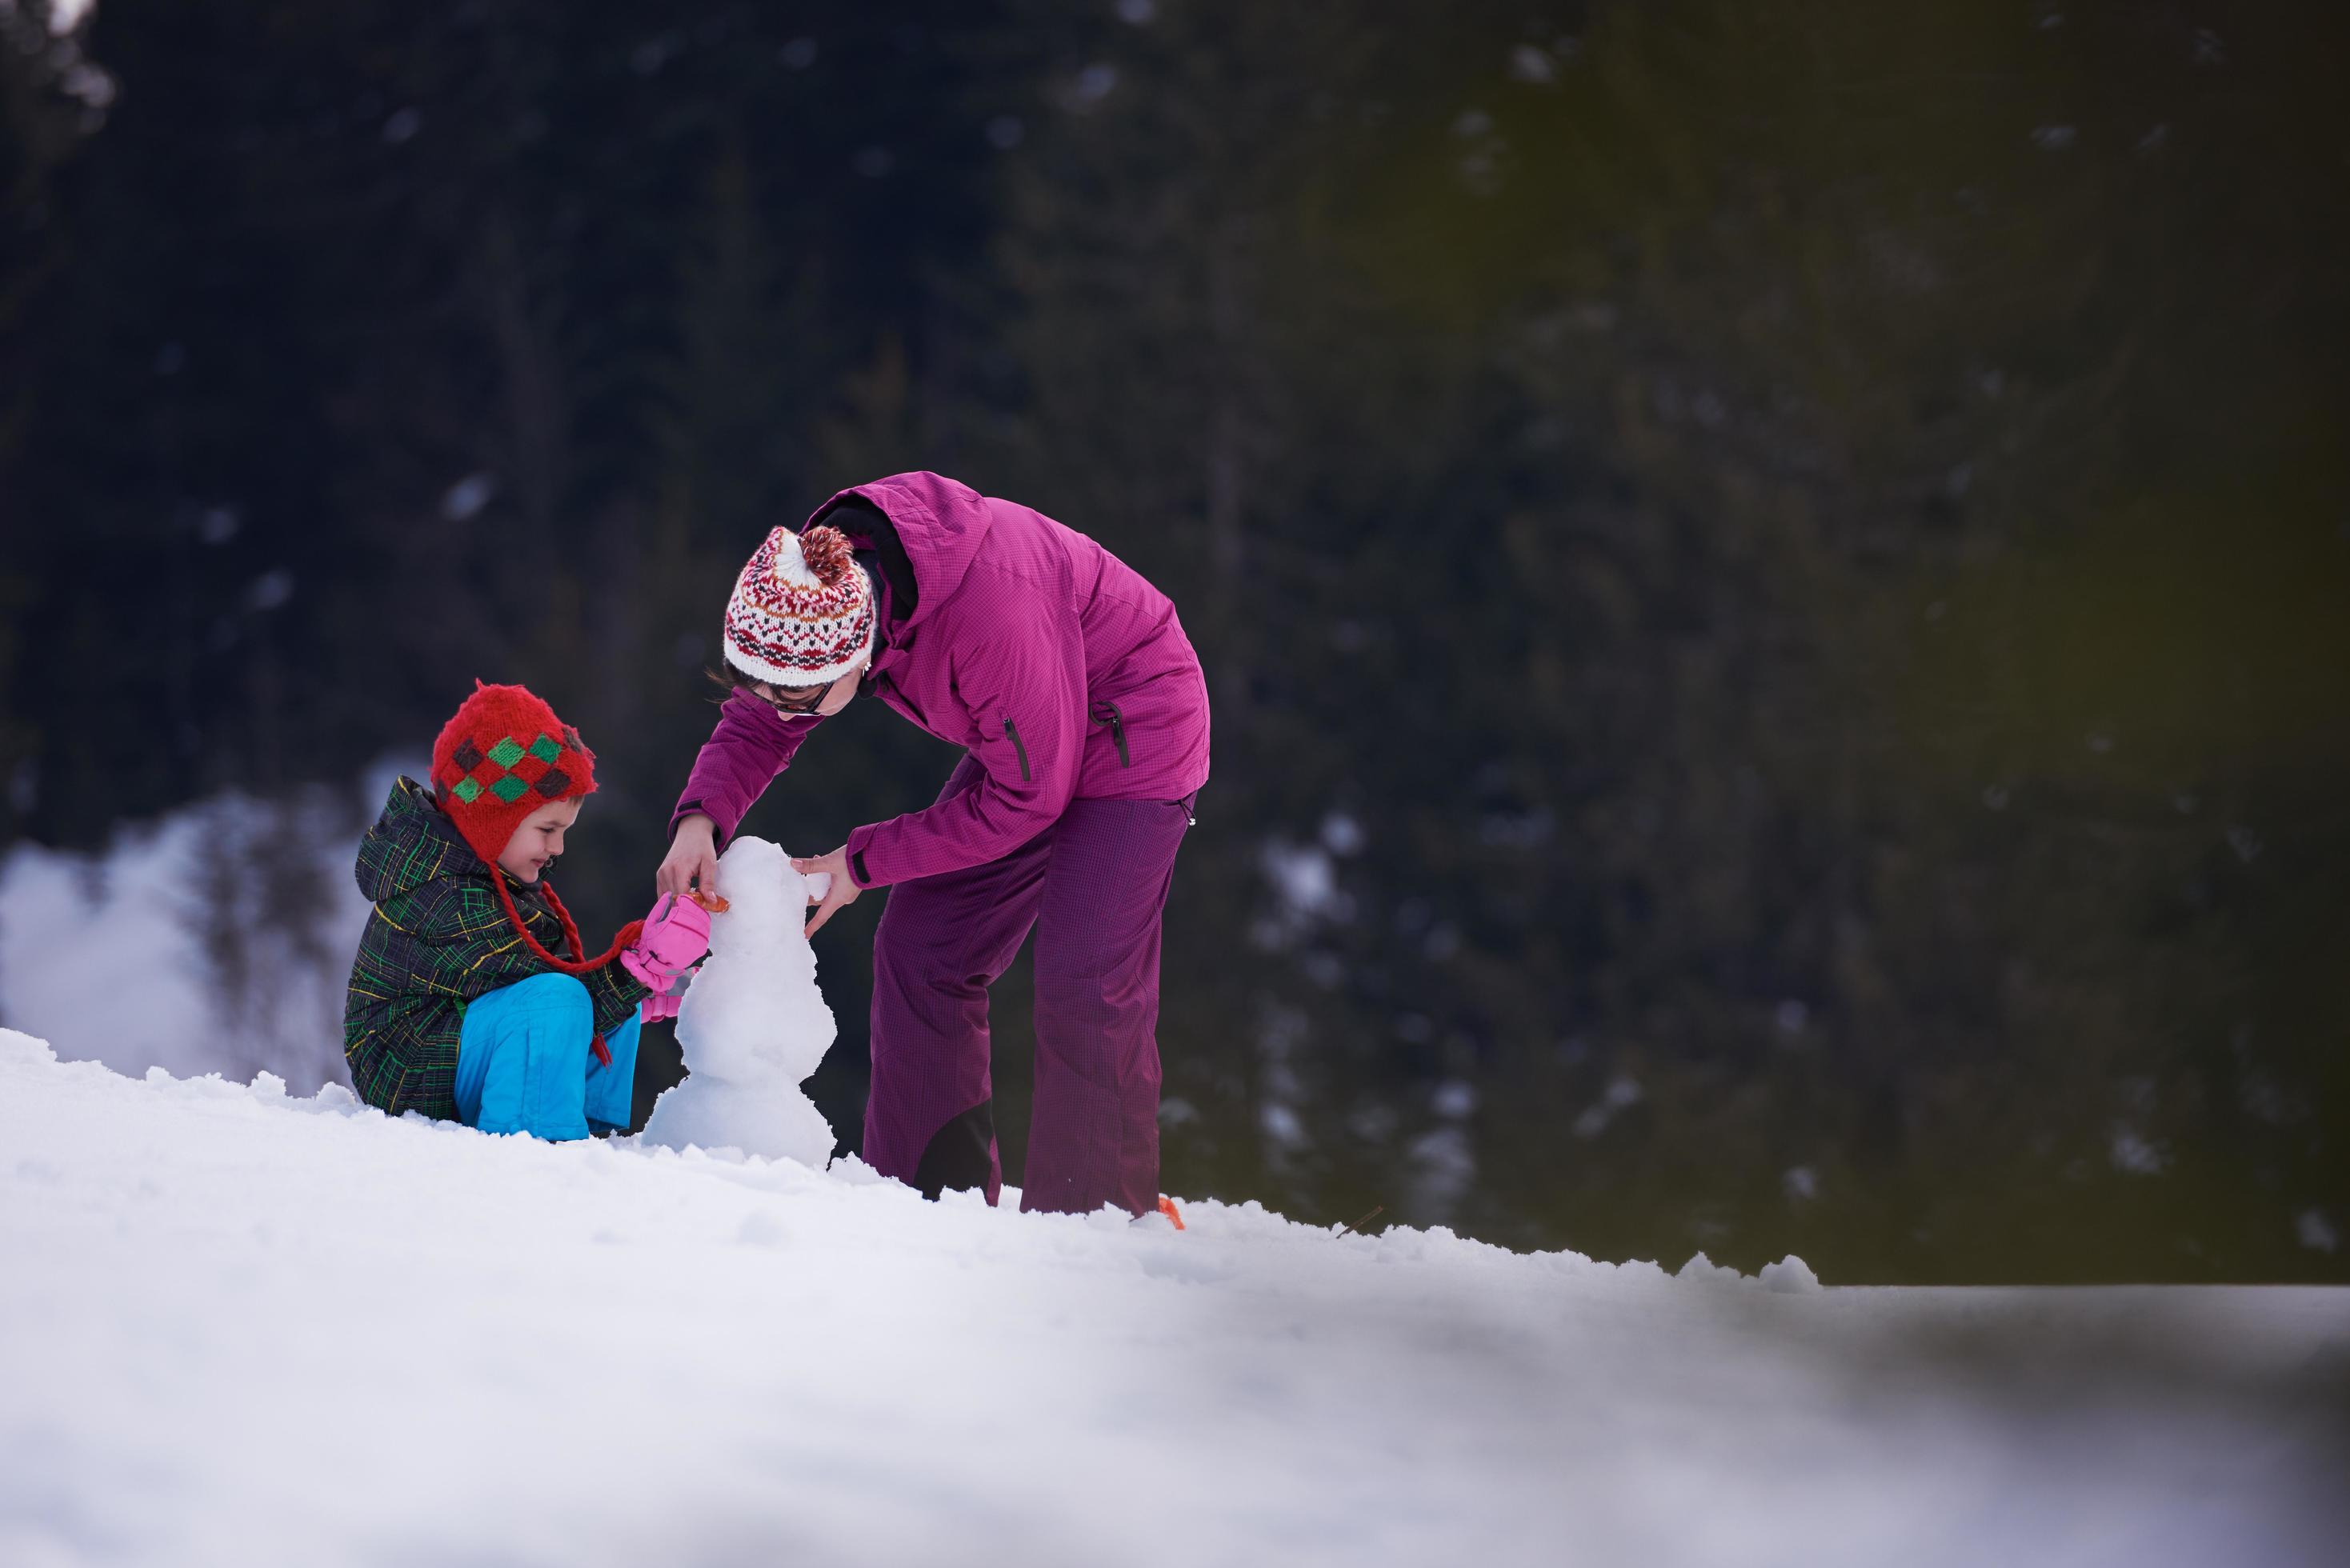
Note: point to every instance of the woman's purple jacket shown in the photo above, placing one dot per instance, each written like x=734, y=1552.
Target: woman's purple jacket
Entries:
x=1063, y=672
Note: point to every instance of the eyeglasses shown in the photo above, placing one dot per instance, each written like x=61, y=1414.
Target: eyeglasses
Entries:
x=794, y=710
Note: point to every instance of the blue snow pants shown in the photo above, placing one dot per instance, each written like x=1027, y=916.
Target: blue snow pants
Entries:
x=524, y=1064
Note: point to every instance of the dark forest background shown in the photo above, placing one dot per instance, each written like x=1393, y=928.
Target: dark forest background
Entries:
x=1775, y=579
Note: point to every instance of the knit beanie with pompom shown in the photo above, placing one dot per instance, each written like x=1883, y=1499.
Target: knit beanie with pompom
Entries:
x=802, y=612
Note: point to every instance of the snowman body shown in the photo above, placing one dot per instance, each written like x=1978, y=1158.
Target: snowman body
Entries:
x=752, y=1025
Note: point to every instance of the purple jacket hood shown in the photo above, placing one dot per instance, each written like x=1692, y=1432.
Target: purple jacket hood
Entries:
x=943, y=525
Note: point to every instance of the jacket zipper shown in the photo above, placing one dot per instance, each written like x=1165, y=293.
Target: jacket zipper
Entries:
x=1107, y=713
x=1014, y=736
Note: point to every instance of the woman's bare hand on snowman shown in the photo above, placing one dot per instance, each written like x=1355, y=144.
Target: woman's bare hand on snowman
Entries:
x=692, y=858
x=842, y=892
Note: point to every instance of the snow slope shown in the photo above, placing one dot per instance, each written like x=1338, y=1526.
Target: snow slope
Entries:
x=236, y=1327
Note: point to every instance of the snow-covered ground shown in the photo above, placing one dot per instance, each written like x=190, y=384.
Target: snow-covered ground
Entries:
x=241, y=1328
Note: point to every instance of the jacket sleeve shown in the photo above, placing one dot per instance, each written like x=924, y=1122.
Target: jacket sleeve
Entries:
x=751, y=747
x=1026, y=697
x=614, y=993
x=464, y=946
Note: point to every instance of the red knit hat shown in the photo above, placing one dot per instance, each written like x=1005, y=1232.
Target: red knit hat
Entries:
x=502, y=756
x=802, y=612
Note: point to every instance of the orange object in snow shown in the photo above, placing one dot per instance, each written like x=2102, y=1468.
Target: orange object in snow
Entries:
x=1174, y=1215
x=710, y=901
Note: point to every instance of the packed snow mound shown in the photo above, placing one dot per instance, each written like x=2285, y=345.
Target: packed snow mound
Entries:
x=237, y=1327
x=752, y=1025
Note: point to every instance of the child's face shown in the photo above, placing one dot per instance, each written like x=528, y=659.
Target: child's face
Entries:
x=538, y=841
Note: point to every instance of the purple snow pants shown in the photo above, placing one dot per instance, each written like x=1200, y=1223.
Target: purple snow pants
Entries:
x=1094, y=886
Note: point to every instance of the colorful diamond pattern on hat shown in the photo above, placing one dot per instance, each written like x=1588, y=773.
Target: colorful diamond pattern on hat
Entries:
x=508, y=785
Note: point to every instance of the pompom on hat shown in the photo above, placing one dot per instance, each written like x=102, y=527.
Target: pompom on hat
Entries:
x=802, y=613
x=501, y=757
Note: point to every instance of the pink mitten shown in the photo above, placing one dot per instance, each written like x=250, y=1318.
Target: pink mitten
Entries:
x=676, y=935
x=662, y=1005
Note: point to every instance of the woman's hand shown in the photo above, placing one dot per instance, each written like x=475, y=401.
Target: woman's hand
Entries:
x=692, y=858
x=842, y=892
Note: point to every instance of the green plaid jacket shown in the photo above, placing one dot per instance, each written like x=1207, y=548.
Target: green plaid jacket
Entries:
x=438, y=938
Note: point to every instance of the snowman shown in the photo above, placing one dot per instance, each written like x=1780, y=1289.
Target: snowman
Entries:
x=752, y=1025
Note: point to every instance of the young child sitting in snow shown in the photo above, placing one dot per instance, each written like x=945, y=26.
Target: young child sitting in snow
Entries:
x=459, y=1007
